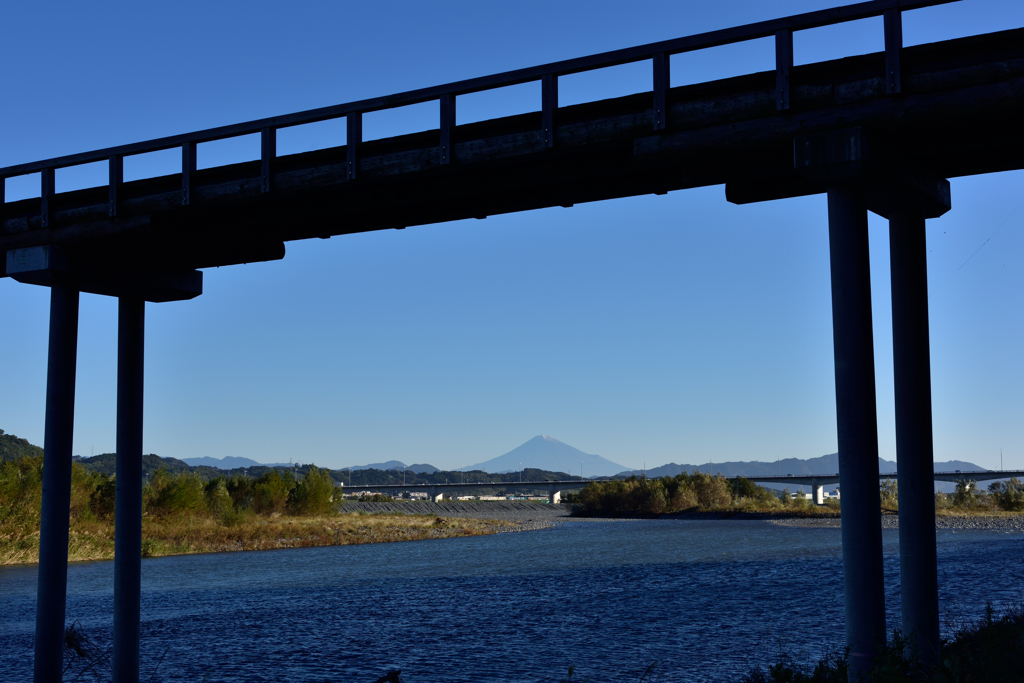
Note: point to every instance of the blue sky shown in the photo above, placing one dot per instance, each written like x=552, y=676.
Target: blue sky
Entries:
x=675, y=328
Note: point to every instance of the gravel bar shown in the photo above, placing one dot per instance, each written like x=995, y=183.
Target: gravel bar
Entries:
x=958, y=522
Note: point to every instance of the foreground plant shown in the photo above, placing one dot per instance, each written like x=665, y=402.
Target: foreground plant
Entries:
x=991, y=650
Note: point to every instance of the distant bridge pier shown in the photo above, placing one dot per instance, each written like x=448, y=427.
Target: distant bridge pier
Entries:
x=817, y=496
x=435, y=494
x=54, y=523
x=554, y=496
x=915, y=470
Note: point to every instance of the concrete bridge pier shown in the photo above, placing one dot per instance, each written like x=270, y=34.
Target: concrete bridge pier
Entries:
x=915, y=473
x=51, y=593
x=857, y=428
x=555, y=496
x=435, y=495
x=817, y=496
x=131, y=328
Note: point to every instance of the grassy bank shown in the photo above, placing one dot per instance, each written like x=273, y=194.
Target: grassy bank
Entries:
x=183, y=514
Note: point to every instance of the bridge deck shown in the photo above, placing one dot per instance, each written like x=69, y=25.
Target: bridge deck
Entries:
x=730, y=131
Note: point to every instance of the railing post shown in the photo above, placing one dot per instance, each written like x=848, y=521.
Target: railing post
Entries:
x=662, y=83
x=188, y=168
x=783, y=65
x=893, y=46
x=54, y=522
x=115, y=169
x=447, y=123
x=46, y=190
x=353, y=137
x=268, y=151
x=549, y=103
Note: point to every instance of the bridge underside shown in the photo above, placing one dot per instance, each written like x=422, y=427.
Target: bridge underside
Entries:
x=959, y=114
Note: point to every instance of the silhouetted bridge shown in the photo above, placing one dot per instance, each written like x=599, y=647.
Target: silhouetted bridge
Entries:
x=880, y=132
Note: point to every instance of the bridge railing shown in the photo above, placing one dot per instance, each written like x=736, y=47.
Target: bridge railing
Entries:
x=446, y=95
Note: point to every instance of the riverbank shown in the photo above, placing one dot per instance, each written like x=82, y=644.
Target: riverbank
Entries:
x=194, y=535
x=973, y=522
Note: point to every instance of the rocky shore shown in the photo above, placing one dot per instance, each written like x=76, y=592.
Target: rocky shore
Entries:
x=530, y=516
x=527, y=516
x=957, y=522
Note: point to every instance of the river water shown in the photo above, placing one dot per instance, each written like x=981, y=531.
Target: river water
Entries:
x=706, y=600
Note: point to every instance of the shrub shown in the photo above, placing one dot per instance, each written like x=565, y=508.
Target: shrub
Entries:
x=240, y=490
x=966, y=494
x=102, y=499
x=712, y=491
x=270, y=492
x=312, y=495
x=218, y=500
x=181, y=493
x=1009, y=495
x=888, y=493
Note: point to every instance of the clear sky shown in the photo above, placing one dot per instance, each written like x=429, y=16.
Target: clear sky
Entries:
x=676, y=328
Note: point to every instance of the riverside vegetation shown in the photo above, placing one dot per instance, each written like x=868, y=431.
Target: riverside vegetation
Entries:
x=182, y=514
x=990, y=650
x=701, y=491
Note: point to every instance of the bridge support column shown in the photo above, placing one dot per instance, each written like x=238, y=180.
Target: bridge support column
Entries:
x=914, y=463
x=51, y=591
x=436, y=495
x=555, y=497
x=131, y=329
x=863, y=582
x=816, y=493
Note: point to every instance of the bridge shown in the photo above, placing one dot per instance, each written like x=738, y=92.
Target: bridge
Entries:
x=818, y=481
x=436, y=491
x=880, y=132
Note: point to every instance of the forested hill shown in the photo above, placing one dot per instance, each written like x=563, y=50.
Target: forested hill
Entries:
x=12, y=448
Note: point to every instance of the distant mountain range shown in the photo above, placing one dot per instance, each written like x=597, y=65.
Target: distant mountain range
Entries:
x=234, y=463
x=548, y=453
x=230, y=463
x=541, y=453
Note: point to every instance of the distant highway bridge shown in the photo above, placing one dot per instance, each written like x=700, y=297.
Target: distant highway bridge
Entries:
x=436, y=491
x=817, y=482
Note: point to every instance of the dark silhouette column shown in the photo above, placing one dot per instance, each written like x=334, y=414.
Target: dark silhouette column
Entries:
x=51, y=592
x=914, y=462
x=857, y=427
x=131, y=332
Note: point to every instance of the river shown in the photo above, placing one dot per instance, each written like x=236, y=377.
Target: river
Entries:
x=707, y=600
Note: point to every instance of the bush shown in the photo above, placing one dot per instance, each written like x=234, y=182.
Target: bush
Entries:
x=966, y=495
x=182, y=493
x=888, y=492
x=712, y=491
x=218, y=500
x=313, y=495
x=1009, y=495
x=270, y=492
x=102, y=498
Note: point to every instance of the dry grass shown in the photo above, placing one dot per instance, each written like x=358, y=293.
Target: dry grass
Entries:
x=184, y=535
